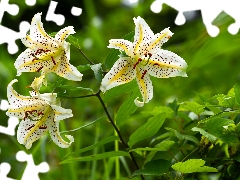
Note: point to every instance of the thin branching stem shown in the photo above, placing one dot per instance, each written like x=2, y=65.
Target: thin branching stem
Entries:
x=86, y=57
x=190, y=154
x=112, y=122
x=76, y=97
x=118, y=132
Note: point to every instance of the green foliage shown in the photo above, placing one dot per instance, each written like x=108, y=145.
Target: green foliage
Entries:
x=155, y=167
x=148, y=129
x=193, y=165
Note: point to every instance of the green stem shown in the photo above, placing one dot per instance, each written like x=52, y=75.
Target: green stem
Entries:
x=86, y=57
x=190, y=154
x=117, y=131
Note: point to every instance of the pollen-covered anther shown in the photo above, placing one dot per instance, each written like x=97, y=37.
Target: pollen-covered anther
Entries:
x=143, y=74
x=42, y=127
x=39, y=69
x=53, y=60
x=28, y=112
x=40, y=113
x=150, y=54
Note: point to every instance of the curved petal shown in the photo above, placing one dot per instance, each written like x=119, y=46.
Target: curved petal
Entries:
x=61, y=113
x=57, y=139
x=156, y=43
x=143, y=34
x=66, y=70
x=166, y=64
x=145, y=86
x=62, y=35
x=122, y=72
x=37, y=83
x=27, y=61
x=38, y=34
x=121, y=44
x=30, y=131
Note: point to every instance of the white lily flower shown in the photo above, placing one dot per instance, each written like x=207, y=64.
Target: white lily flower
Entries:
x=39, y=113
x=45, y=53
x=144, y=57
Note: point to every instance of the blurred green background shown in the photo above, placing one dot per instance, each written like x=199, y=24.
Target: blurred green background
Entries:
x=213, y=68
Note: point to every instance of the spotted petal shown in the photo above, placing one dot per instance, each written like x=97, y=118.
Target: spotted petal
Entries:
x=121, y=44
x=23, y=106
x=157, y=41
x=32, y=61
x=166, y=64
x=143, y=34
x=62, y=35
x=145, y=86
x=57, y=139
x=30, y=131
x=122, y=72
x=66, y=70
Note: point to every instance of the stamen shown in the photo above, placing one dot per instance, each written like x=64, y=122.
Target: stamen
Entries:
x=139, y=60
x=30, y=127
x=145, y=71
x=40, y=113
x=53, y=61
x=39, y=69
x=28, y=112
x=39, y=51
x=42, y=127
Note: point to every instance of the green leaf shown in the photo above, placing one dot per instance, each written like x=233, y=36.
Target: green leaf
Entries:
x=215, y=127
x=161, y=109
x=97, y=69
x=163, y=146
x=85, y=67
x=127, y=108
x=192, y=106
x=225, y=100
x=184, y=137
x=210, y=137
x=148, y=129
x=100, y=143
x=125, y=88
x=96, y=157
x=113, y=55
x=174, y=106
x=237, y=93
x=73, y=41
x=193, y=165
x=155, y=167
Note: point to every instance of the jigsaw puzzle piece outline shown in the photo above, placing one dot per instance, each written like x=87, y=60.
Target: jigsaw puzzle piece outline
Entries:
x=31, y=171
x=4, y=170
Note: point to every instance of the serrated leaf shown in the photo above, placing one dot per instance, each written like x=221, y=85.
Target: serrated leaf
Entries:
x=184, y=137
x=113, y=55
x=127, y=108
x=154, y=167
x=192, y=106
x=225, y=100
x=148, y=129
x=161, y=109
x=96, y=157
x=210, y=137
x=193, y=165
x=215, y=127
x=125, y=88
x=100, y=143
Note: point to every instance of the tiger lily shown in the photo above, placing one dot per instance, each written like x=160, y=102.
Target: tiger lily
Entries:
x=39, y=113
x=45, y=53
x=142, y=58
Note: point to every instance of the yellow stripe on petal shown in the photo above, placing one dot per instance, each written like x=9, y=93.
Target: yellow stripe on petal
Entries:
x=121, y=44
x=122, y=72
x=145, y=86
x=166, y=64
x=159, y=39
